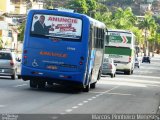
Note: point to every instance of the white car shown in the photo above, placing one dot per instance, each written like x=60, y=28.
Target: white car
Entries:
x=108, y=67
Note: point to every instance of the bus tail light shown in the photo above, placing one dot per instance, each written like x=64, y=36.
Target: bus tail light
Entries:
x=25, y=57
x=81, y=61
x=129, y=59
x=25, y=52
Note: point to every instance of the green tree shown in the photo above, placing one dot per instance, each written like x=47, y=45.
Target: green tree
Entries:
x=124, y=19
x=79, y=6
x=148, y=24
x=1, y=43
x=104, y=15
x=91, y=5
x=48, y=4
x=21, y=30
x=138, y=33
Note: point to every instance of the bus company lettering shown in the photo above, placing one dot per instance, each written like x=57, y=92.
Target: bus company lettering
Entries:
x=53, y=54
x=65, y=27
x=62, y=19
x=115, y=56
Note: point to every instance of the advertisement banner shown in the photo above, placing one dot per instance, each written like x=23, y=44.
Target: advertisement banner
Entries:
x=56, y=26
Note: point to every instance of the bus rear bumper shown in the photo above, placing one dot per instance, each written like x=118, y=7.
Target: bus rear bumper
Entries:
x=52, y=80
x=70, y=78
x=123, y=67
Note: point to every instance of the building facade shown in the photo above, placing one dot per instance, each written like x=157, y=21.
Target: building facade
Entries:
x=12, y=14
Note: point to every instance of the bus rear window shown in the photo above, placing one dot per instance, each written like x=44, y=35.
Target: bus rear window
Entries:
x=117, y=50
x=56, y=26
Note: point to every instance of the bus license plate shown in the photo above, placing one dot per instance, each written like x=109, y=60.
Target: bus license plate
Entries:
x=52, y=67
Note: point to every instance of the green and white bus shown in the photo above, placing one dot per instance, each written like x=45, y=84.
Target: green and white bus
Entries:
x=120, y=46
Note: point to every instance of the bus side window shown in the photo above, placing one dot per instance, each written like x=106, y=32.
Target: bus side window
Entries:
x=95, y=37
x=107, y=39
x=102, y=37
x=91, y=37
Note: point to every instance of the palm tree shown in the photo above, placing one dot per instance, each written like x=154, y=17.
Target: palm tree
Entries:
x=147, y=24
x=124, y=19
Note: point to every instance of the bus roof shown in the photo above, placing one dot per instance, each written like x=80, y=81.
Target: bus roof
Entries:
x=121, y=31
x=93, y=21
x=96, y=22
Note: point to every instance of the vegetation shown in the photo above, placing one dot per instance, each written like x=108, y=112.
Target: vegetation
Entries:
x=21, y=31
x=0, y=43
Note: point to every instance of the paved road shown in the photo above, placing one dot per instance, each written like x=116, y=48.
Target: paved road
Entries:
x=137, y=93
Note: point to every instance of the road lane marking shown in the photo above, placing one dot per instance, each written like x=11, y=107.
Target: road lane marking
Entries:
x=121, y=94
x=141, y=76
x=80, y=104
x=68, y=110
x=90, y=99
x=20, y=85
x=85, y=101
x=1, y=106
x=75, y=107
x=122, y=83
x=97, y=95
x=93, y=97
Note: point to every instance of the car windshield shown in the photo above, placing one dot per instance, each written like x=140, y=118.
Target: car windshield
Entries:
x=5, y=56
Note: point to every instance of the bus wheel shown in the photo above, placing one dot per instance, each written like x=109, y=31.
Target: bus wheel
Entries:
x=131, y=71
x=41, y=84
x=112, y=75
x=93, y=85
x=99, y=75
x=33, y=84
x=86, y=88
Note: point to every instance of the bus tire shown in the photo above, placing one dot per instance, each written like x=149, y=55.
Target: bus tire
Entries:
x=86, y=88
x=19, y=77
x=99, y=75
x=112, y=75
x=41, y=84
x=127, y=72
x=93, y=85
x=131, y=71
x=33, y=84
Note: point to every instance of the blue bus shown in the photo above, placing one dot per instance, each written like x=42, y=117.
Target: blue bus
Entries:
x=63, y=48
